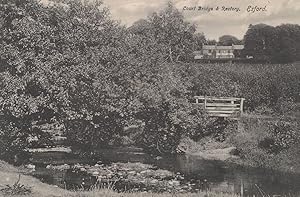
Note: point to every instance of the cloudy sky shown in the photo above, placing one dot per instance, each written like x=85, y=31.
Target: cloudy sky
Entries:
x=213, y=23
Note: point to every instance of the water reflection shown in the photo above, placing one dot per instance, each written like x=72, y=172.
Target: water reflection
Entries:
x=226, y=177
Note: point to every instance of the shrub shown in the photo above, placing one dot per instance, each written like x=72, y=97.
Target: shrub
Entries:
x=16, y=136
x=281, y=136
x=12, y=141
x=285, y=105
x=161, y=132
x=285, y=134
x=217, y=128
x=16, y=189
x=167, y=123
x=104, y=129
x=272, y=144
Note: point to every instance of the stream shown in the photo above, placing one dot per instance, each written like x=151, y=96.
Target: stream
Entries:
x=182, y=173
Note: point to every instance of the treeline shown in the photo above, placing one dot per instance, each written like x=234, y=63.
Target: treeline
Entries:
x=69, y=64
x=280, y=44
x=263, y=43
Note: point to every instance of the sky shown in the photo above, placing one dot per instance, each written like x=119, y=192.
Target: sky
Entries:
x=212, y=23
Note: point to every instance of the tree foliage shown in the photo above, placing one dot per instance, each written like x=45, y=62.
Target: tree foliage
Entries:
x=172, y=35
x=228, y=40
x=68, y=63
x=274, y=44
x=289, y=43
x=62, y=62
x=199, y=40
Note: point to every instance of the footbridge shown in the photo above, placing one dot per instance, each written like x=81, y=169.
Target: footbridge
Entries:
x=229, y=107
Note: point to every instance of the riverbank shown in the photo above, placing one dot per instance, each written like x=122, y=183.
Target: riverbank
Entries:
x=10, y=175
x=268, y=143
x=209, y=149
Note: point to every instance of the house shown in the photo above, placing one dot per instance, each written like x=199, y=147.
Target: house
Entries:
x=218, y=52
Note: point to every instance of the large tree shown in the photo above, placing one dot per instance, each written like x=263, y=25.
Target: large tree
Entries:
x=277, y=44
x=26, y=55
x=228, y=40
x=261, y=42
x=199, y=40
x=170, y=33
x=289, y=43
x=59, y=63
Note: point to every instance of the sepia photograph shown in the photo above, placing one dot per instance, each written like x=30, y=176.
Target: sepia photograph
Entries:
x=138, y=98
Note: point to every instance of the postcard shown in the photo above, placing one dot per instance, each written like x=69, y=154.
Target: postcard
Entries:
x=150, y=98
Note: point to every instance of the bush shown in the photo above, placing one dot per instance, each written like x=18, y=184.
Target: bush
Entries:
x=216, y=128
x=166, y=124
x=16, y=189
x=268, y=144
x=285, y=135
x=285, y=105
x=161, y=132
x=16, y=136
x=281, y=136
x=102, y=130
x=12, y=141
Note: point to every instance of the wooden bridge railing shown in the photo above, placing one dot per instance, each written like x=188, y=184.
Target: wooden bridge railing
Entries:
x=221, y=106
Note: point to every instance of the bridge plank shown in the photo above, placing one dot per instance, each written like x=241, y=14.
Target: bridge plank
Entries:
x=217, y=98
x=221, y=115
x=224, y=108
x=221, y=112
x=222, y=105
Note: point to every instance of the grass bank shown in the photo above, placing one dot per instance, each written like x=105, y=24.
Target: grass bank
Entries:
x=272, y=144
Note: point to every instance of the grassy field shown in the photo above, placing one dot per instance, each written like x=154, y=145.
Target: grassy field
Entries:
x=10, y=175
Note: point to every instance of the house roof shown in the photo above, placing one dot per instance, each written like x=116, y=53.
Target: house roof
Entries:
x=238, y=47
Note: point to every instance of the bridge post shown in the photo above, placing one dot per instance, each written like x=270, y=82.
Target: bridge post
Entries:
x=242, y=105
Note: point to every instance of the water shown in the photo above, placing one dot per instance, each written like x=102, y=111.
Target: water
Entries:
x=201, y=174
x=224, y=177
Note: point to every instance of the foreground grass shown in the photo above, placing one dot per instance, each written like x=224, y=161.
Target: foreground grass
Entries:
x=9, y=175
x=110, y=193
